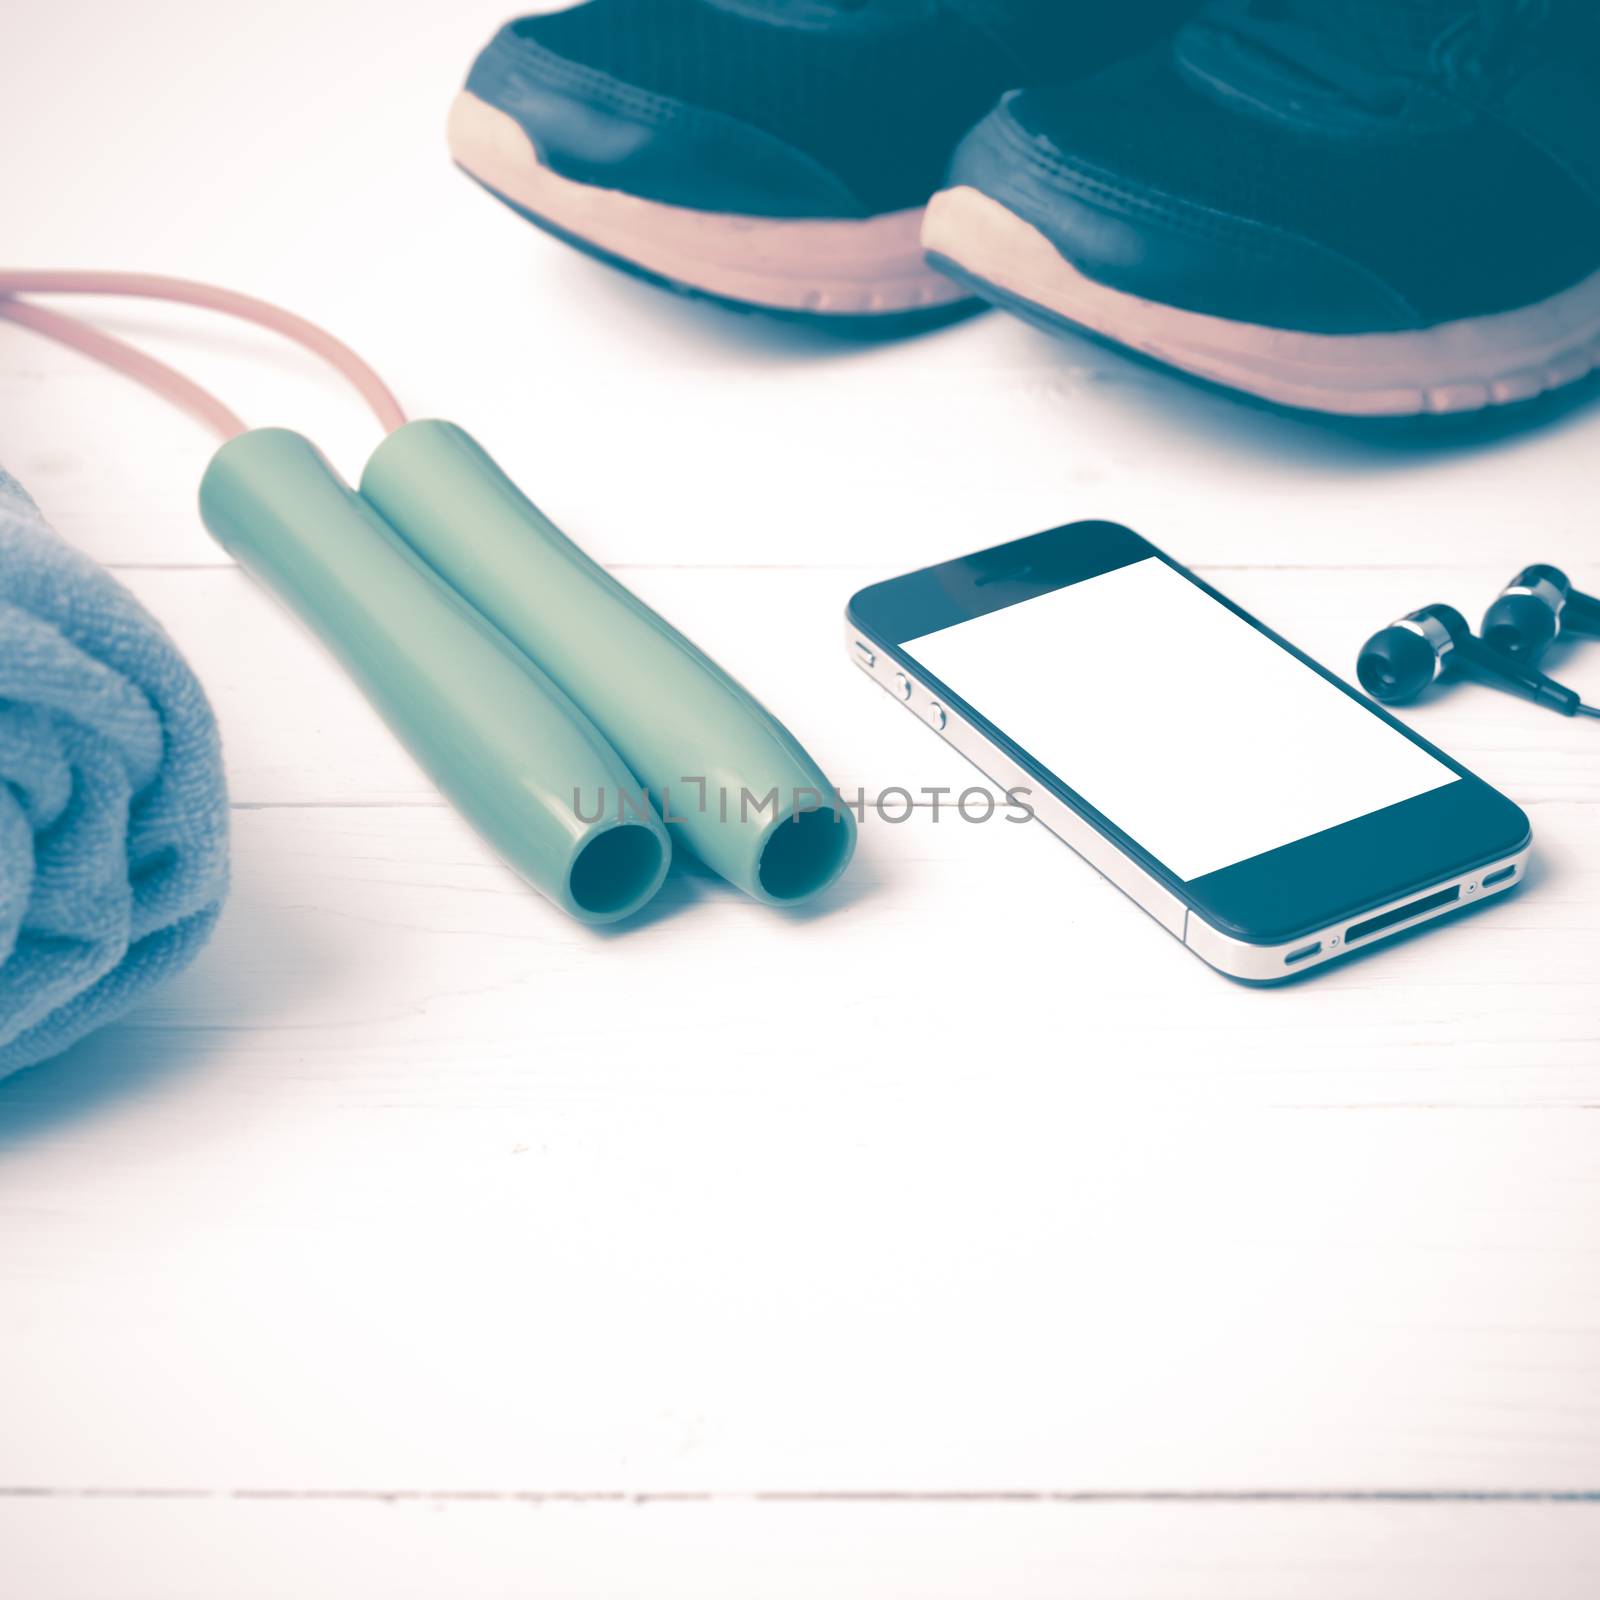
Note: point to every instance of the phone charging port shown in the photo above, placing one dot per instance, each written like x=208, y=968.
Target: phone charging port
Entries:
x=1304, y=953
x=1490, y=879
x=1405, y=913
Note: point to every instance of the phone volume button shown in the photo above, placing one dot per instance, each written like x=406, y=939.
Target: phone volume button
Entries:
x=902, y=685
x=936, y=715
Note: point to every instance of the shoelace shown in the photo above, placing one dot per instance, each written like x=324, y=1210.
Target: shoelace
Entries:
x=1371, y=49
x=1475, y=44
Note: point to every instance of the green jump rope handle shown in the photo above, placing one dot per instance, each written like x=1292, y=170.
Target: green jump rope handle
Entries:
x=729, y=777
x=503, y=743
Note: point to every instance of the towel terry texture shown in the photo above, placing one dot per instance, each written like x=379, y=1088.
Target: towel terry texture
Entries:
x=113, y=808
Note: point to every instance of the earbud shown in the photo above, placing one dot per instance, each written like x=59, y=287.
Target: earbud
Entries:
x=1537, y=605
x=1401, y=661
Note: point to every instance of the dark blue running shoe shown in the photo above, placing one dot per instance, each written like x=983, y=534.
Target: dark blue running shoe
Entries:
x=1374, y=207
x=777, y=153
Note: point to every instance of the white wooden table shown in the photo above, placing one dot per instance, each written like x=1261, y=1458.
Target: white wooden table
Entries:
x=962, y=1236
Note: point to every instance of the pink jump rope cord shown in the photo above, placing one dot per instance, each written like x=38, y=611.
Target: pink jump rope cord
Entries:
x=153, y=374
x=161, y=378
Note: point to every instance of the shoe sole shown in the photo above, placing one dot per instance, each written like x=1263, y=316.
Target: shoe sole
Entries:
x=1454, y=367
x=870, y=268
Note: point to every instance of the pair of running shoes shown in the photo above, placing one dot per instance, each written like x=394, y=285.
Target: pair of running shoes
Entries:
x=1366, y=207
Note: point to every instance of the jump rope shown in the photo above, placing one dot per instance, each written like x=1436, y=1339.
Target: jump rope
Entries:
x=156, y=375
x=567, y=721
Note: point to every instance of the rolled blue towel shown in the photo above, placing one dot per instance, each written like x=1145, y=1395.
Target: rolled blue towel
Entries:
x=113, y=808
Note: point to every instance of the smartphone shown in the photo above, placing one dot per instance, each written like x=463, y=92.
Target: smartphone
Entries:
x=1260, y=809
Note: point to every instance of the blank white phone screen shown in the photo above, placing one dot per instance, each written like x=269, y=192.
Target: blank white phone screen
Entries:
x=1190, y=730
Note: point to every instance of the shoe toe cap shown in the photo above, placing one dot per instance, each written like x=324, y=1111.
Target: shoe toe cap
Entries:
x=1128, y=234
x=599, y=130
